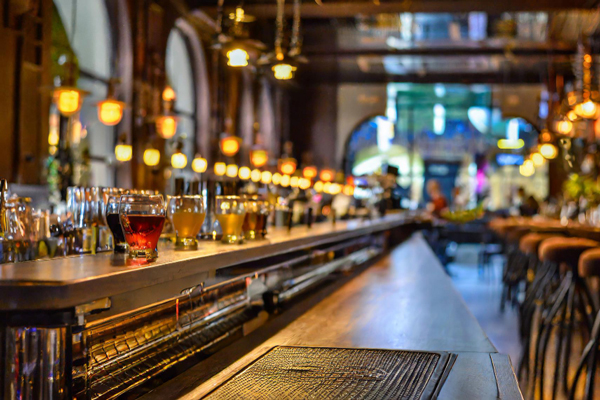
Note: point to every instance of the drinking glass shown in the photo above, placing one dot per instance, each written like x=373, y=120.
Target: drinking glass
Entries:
x=265, y=210
x=142, y=219
x=230, y=212
x=186, y=213
x=252, y=226
x=113, y=220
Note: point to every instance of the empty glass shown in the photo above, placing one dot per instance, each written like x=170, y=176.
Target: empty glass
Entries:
x=230, y=212
x=142, y=219
x=186, y=213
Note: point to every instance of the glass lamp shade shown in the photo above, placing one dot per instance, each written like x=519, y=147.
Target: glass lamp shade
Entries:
x=178, y=160
x=266, y=177
x=548, y=150
x=255, y=175
x=276, y=178
x=68, y=100
x=287, y=166
x=285, y=180
x=166, y=126
x=220, y=168
x=237, y=58
x=283, y=71
x=259, y=158
x=168, y=94
x=230, y=145
x=231, y=171
x=110, y=111
x=327, y=175
x=123, y=152
x=244, y=173
x=310, y=172
x=199, y=164
x=151, y=157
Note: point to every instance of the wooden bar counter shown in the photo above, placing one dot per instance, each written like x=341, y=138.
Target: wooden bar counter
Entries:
x=404, y=301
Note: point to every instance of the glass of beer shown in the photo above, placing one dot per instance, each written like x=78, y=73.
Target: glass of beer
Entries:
x=142, y=220
x=186, y=213
x=113, y=220
x=264, y=212
x=251, y=226
x=230, y=212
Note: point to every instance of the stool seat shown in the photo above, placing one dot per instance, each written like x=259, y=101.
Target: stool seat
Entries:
x=530, y=243
x=589, y=263
x=564, y=249
x=515, y=233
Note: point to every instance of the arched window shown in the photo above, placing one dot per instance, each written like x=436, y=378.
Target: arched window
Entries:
x=88, y=28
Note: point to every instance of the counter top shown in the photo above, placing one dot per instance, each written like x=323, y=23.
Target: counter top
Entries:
x=404, y=301
x=72, y=281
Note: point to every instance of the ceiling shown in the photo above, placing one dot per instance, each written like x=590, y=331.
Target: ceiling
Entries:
x=430, y=41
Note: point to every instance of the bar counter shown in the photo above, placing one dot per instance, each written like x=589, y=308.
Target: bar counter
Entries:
x=72, y=281
x=404, y=301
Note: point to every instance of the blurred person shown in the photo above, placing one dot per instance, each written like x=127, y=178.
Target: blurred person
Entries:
x=438, y=201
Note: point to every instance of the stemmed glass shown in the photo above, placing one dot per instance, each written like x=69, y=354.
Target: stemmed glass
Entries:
x=186, y=213
x=230, y=212
x=142, y=219
x=113, y=220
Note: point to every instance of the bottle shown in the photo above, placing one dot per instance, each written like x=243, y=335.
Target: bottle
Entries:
x=5, y=247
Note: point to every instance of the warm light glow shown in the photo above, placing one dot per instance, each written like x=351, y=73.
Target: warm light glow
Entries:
x=285, y=180
x=572, y=115
x=259, y=158
x=123, y=152
x=166, y=126
x=68, y=100
x=220, y=168
x=588, y=109
x=230, y=145
x=327, y=187
x=276, y=178
x=199, y=164
x=266, y=177
x=545, y=136
x=310, y=172
x=283, y=71
x=110, y=112
x=335, y=188
x=564, y=127
x=549, y=151
x=327, y=175
x=538, y=159
x=53, y=137
x=304, y=183
x=169, y=94
x=510, y=144
x=237, y=58
x=232, y=170
x=178, y=160
x=287, y=166
x=349, y=190
x=151, y=157
x=255, y=175
x=294, y=181
x=318, y=186
x=527, y=169
x=244, y=173
x=52, y=150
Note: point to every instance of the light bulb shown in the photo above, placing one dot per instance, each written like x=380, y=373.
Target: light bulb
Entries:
x=549, y=151
x=266, y=177
x=237, y=58
x=276, y=178
x=310, y=172
x=318, y=186
x=166, y=126
x=178, y=160
x=538, y=159
x=255, y=175
x=199, y=164
x=259, y=158
x=283, y=71
x=123, y=152
x=110, y=111
x=327, y=175
x=527, y=169
x=231, y=171
x=220, y=168
x=304, y=183
x=230, y=145
x=287, y=166
x=285, y=180
x=68, y=100
x=349, y=190
x=168, y=94
x=244, y=173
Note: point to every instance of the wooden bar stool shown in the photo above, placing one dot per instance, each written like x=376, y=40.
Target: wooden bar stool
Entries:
x=515, y=269
x=589, y=266
x=572, y=294
x=539, y=278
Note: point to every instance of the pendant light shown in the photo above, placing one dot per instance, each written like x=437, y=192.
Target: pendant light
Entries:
x=199, y=164
x=151, y=157
x=123, y=150
x=259, y=157
x=327, y=175
x=287, y=166
x=230, y=145
x=310, y=172
x=69, y=99
x=220, y=168
x=178, y=159
x=110, y=111
x=231, y=171
x=166, y=126
x=255, y=175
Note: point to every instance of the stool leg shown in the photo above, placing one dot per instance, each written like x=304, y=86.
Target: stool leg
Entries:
x=559, y=344
x=592, y=345
x=570, y=313
x=591, y=373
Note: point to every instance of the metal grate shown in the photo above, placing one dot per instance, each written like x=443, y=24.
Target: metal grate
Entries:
x=331, y=373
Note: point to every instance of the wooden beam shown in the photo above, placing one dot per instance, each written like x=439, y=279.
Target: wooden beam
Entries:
x=341, y=9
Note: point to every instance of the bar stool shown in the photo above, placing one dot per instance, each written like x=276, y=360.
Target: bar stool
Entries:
x=515, y=270
x=539, y=276
x=572, y=294
x=589, y=266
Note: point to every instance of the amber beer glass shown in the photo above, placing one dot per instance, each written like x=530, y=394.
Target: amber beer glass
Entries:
x=142, y=219
x=230, y=212
x=252, y=224
x=186, y=214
